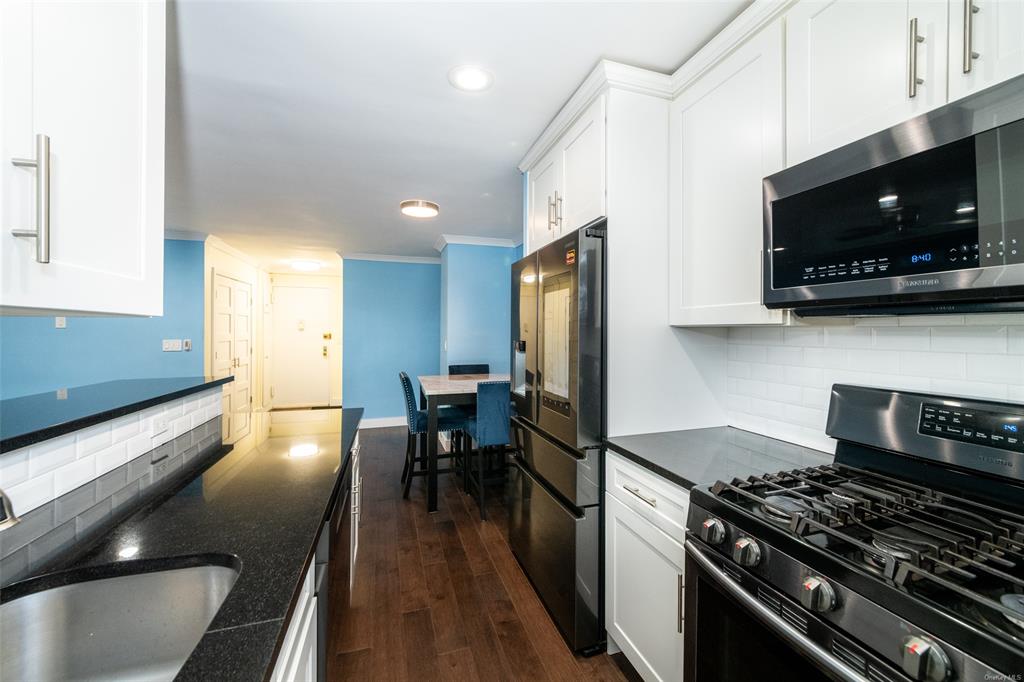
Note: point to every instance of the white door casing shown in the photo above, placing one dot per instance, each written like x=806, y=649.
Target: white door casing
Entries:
x=231, y=340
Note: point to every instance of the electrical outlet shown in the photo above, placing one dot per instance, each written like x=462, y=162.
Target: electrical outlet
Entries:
x=186, y=344
x=60, y=322
x=172, y=345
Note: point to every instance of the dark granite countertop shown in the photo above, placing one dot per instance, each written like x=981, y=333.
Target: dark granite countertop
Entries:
x=260, y=510
x=703, y=456
x=33, y=418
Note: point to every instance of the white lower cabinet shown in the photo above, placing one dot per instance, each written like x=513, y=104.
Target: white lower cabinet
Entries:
x=296, y=661
x=644, y=572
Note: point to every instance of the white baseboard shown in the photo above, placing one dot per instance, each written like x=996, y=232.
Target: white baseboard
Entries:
x=381, y=422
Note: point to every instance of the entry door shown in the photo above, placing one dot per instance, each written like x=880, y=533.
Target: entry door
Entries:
x=232, y=351
x=302, y=346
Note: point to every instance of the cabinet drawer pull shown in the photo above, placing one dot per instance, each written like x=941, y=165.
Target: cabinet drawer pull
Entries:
x=636, y=492
x=42, y=165
x=913, y=81
x=558, y=210
x=970, y=9
x=551, y=213
x=679, y=603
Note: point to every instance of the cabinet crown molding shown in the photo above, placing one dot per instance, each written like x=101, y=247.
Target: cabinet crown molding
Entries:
x=608, y=74
x=446, y=239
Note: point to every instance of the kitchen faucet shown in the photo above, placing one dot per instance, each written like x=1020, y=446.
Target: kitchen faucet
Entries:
x=7, y=515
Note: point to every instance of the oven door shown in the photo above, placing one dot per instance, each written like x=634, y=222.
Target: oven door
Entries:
x=736, y=629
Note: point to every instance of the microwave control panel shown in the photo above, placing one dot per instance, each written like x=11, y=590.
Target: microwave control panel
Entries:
x=1003, y=430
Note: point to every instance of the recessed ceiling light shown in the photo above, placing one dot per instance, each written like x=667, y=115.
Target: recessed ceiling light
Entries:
x=470, y=78
x=306, y=265
x=418, y=208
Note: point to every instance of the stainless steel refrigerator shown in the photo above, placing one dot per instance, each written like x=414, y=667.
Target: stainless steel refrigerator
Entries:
x=558, y=387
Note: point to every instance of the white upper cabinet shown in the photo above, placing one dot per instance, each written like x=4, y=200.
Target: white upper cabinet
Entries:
x=567, y=185
x=90, y=77
x=986, y=45
x=726, y=134
x=545, y=186
x=583, y=167
x=854, y=68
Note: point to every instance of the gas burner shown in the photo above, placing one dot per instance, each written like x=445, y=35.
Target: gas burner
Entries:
x=781, y=507
x=1014, y=602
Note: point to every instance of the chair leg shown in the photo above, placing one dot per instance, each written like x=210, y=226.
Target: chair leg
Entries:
x=410, y=445
x=467, y=462
x=481, y=487
x=411, y=463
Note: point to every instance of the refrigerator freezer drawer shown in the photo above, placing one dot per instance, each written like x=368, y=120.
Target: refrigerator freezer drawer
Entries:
x=575, y=475
x=559, y=549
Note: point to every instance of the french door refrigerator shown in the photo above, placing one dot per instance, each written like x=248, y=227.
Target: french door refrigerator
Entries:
x=558, y=388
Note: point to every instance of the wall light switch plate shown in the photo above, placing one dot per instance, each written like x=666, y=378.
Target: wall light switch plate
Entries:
x=171, y=345
x=186, y=344
x=60, y=322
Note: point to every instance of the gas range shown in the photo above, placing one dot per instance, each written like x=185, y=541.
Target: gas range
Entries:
x=902, y=560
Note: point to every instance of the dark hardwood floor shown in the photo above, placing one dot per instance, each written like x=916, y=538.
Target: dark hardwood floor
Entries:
x=439, y=596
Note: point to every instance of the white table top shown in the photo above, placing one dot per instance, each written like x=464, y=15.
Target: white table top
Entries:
x=450, y=384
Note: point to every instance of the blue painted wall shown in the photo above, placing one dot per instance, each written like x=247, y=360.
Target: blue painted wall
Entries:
x=36, y=357
x=392, y=317
x=476, y=304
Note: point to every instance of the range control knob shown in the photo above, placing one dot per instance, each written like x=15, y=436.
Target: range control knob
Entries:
x=817, y=595
x=924, y=660
x=712, y=531
x=745, y=552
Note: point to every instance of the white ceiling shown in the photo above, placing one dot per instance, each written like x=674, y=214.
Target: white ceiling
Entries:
x=301, y=125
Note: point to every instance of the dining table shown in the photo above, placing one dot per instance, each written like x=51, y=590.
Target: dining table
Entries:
x=437, y=390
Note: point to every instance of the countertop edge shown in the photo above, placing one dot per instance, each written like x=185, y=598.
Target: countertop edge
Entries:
x=650, y=466
x=32, y=437
x=348, y=436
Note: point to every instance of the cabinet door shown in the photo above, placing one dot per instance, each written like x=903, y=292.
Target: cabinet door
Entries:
x=726, y=134
x=995, y=33
x=303, y=662
x=643, y=599
x=848, y=69
x=545, y=180
x=90, y=75
x=583, y=171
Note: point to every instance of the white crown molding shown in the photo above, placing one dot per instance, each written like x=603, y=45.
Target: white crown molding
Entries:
x=185, y=235
x=607, y=74
x=434, y=260
x=739, y=30
x=446, y=239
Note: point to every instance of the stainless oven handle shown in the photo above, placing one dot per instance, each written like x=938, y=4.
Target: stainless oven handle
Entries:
x=775, y=622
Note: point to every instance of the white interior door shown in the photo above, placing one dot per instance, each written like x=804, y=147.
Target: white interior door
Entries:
x=232, y=344
x=302, y=346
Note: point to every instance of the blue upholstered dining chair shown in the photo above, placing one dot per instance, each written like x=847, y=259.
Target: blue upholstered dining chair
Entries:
x=449, y=420
x=489, y=431
x=482, y=368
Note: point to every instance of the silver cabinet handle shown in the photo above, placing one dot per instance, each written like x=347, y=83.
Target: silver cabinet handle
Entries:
x=679, y=603
x=912, y=80
x=551, y=213
x=558, y=209
x=775, y=623
x=970, y=9
x=42, y=165
x=636, y=492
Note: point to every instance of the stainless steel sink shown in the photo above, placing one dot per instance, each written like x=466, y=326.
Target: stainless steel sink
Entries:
x=132, y=626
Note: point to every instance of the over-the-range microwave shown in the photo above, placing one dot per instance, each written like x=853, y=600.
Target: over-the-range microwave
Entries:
x=926, y=217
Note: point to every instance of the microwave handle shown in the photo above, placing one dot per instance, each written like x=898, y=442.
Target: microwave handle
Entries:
x=774, y=622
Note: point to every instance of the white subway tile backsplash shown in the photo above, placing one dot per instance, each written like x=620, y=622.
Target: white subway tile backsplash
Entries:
x=92, y=439
x=14, y=468
x=939, y=365
x=50, y=454
x=783, y=389
x=969, y=339
x=34, y=492
x=70, y=476
x=110, y=458
x=124, y=428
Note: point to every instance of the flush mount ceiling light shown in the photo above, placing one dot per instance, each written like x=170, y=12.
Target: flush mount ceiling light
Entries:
x=418, y=208
x=305, y=265
x=470, y=78
x=303, y=450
